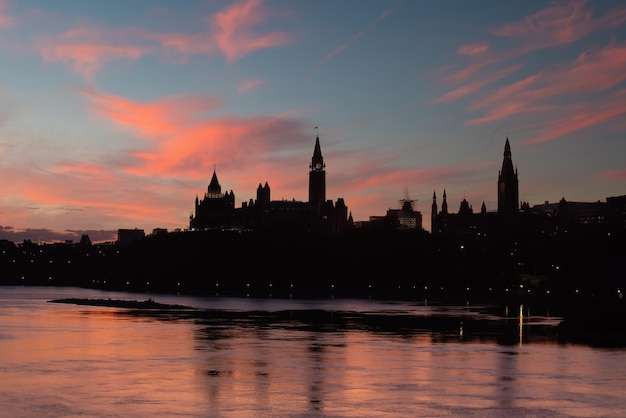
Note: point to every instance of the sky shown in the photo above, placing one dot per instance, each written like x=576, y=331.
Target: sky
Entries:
x=115, y=114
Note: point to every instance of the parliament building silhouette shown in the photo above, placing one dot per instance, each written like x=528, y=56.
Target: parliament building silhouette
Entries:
x=216, y=210
x=515, y=216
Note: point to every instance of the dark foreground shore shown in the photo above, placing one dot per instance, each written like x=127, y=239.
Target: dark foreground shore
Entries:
x=579, y=276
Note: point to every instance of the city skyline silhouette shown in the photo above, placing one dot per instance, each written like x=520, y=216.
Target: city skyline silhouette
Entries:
x=113, y=115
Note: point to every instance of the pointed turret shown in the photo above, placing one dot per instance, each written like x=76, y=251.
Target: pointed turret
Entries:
x=214, y=189
x=317, y=161
x=433, y=212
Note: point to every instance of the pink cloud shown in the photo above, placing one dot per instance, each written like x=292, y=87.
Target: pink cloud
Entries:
x=504, y=111
x=460, y=92
x=176, y=144
x=592, y=72
x=183, y=43
x=466, y=73
x=234, y=29
x=618, y=174
x=477, y=48
x=506, y=92
x=159, y=118
x=560, y=23
x=6, y=20
x=86, y=50
x=475, y=86
x=579, y=117
x=182, y=137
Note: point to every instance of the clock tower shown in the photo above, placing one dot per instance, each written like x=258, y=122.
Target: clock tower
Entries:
x=508, y=190
x=317, y=177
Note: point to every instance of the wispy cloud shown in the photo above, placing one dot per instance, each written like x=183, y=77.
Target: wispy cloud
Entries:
x=472, y=87
x=593, y=72
x=85, y=50
x=234, y=29
x=235, y=32
x=185, y=139
x=249, y=85
x=573, y=85
x=580, y=116
x=477, y=48
x=618, y=174
x=358, y=35
x=6, y=20
x=559, y=24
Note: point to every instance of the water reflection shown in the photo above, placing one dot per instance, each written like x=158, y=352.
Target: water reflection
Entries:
x=505, y=390
x=314, y=360
x=349, y=358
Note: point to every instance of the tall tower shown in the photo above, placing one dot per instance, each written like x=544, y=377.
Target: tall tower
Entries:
x=433, y=212
x=317, y=177
x=508, y=191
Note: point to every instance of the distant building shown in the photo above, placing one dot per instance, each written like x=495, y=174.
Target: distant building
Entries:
x=466, y=222
x=125, y=237
x=544, y=218
x=85, y=241
x=404, y=218
x=216, y=210
x=567, y=214
x=617, y=205
x=159, y=231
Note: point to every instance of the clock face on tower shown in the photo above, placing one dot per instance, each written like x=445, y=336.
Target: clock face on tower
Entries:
x=318, y=166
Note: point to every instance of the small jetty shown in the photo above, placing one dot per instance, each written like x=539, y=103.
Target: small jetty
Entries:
x=120, y=303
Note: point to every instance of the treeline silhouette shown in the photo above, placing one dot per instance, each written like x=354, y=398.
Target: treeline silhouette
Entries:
x=585, y=263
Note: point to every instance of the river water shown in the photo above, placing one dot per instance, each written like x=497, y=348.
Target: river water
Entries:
x=238, y=357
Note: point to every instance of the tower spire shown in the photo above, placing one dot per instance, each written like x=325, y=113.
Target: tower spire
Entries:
x=508, y=189
x=317, y=176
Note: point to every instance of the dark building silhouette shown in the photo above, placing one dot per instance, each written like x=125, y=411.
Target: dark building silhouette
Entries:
x=317, y=177
x=404, y=218
x=466, y=222
x=217, y=210
x=125, y=237
x=508, y=191
x=564, y=215
x=511, y=216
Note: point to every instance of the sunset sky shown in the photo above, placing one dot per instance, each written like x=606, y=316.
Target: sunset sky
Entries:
x=113, y=114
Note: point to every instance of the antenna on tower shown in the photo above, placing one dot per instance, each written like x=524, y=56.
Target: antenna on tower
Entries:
x=316, y=131
x=407, y=199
